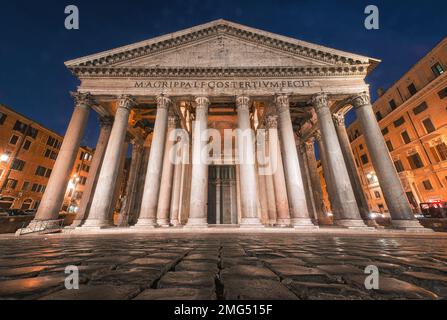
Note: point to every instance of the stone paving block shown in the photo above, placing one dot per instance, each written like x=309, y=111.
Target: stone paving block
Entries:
x=392, y=288
x=177, y=294
x=153, y=263
x=13, y=263
x=322, y=291
x=340, y=269
x=203, y=257
x=187, y=279
x=110, y=259
x=282, y=261
x=295, y=272
x=233, y=261
x=96, y=292
x=199, y=266
x=22, y=271
x=247, y=272
x=256, y=289
x=143, y=278
x=433, y=282
x=30, y=288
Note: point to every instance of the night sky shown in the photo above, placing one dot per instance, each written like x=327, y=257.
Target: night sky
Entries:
x=34, y=43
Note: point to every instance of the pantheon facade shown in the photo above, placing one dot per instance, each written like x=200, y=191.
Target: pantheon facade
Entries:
x=220, y=77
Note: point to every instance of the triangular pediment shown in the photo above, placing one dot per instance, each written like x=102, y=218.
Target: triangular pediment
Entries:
x=221, y=44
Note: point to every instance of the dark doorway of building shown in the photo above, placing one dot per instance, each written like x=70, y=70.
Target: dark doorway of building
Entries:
x=222, y=195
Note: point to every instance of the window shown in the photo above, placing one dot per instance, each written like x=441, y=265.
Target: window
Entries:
x=47, y=153
x=20, y=126
x=406, y=137
x=11, y=184
x=385, y=131
x=361, y=146
x=437, y=69
x=427, y=185
x=442, y=94
x=25, y=186
x=81, y=157
x=32, y=132
x=27, y=145
x=399, y=122
x=364, y=158
x=393, y=104
x=415, y=161
x=48, y=173
x=440, y=152
x=377, y=194
x=399, y=166
x=412, y=89
x=428, y=125
x=14, y=140
x=40, y=171
x=18, y=165
x=389, y=145
x=2, y=118
x=378, y=116
x=420, y=108
x=34, y=187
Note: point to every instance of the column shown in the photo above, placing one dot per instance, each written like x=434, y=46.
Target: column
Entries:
x=246, y=155
x=345, y=144
x=176, y=194
x=218, y=195
x=199, y=175
x=148, y=211
x=99, y=215
x=394, y=194
x=349, y=215
x=92, y=179
x=131, y=187
x=57, y=185
x=164, y=200
x=282, y=214
x=295, y=187
x=301, y=148
x=136, y=208
x=262, y=176
x=317, y=191
x=119, y=182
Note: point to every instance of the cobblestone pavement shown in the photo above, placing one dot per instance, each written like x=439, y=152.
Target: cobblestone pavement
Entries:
x=255, y=266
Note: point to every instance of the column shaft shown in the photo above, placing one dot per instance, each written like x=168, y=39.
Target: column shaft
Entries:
x=349, y=215
x=57, y=185
x=95, y=167
x=99, y=215
x=199, y=176
x=148, y=211
x=295, y=186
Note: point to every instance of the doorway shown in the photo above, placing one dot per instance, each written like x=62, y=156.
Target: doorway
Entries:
x=222, y=195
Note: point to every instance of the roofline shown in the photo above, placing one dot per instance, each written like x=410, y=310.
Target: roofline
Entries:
x=374, y=62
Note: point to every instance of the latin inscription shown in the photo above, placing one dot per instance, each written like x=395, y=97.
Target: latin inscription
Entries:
x=237, y=85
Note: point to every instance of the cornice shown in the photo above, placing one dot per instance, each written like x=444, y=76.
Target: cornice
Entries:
x=164, y=72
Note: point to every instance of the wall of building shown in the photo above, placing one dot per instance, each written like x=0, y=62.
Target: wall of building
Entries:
x=28, y=152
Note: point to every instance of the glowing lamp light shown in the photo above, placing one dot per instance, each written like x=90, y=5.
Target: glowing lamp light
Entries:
x=4, y=157
x=369, y=176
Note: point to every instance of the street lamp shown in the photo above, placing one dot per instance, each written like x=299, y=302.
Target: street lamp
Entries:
x=4, y=157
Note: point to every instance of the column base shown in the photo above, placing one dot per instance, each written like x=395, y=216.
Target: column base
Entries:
x=36, y=226
x=144, y=223
x=196, y=223
x=409, y=226
x=303, y=223
x=352, y=224
x=163, y=223
x=95, y=225
x=251, y=223
x=175, y=223
x=282, y=223
x=75, y=224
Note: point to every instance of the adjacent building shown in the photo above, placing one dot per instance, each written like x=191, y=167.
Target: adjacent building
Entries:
x=412, y=115
x=28, y=152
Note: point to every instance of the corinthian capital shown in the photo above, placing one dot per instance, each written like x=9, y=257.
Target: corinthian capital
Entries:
x=339, y=119
x=106, y=121
x=309, y=145
x=243, y=102
x=83, y=99
x=282, y=102
x=360, y=100
x=202, y=102
x=173, y=121
x=126, y=101
x=163, y=102
x=320, y=101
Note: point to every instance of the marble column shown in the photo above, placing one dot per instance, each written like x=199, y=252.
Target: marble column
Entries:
x=176, y=194
x=199, y=176
x=164, y=200
x=57, y=184
x=262, y=176
x=301, y=148
x=281, y=210
x=119, y=182
x=317, y=191
x=394, y=194
x=99, y=215
x=131, y=187
x=246, y=155
x=345, y=144
x=149, y=202
x=349, y=215
x=294, y=181
x=92, y=179
x=141, y=176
